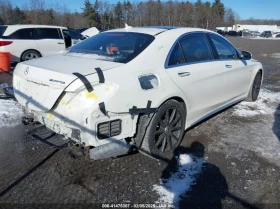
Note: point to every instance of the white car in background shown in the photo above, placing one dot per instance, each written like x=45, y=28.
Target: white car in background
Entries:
x=275, y=34
x=26, y=42
x=143, y=86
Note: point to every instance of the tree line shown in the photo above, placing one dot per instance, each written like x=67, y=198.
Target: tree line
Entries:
x=104, y=15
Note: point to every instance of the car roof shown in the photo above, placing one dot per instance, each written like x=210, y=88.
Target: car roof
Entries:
x=155, y=30
x=12, y=28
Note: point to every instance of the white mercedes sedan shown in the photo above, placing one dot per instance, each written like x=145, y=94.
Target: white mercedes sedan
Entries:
x=136, y=86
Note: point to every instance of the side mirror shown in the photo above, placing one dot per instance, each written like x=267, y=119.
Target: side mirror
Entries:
x=246, y=55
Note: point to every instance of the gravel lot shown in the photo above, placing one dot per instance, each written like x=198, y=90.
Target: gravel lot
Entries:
x=229, y=161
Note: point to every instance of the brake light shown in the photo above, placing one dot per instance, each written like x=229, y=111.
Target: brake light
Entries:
x=5, y=43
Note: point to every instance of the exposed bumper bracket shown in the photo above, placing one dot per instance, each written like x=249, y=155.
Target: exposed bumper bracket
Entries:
x=112, y=149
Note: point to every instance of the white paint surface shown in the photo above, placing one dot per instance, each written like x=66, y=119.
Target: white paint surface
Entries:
x=179, y=183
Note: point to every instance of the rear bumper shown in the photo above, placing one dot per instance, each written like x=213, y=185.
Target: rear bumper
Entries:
x=70, y=133
x=87, y=129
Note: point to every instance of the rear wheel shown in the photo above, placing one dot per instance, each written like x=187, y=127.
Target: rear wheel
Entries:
x=30, y=54
x=165, y=131
x=255, y=88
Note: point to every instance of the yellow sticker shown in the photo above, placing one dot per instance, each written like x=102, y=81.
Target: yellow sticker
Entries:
x=91, y=95
x=69, y=107
x=63, y=102
x=50, y=116
x=107, y=88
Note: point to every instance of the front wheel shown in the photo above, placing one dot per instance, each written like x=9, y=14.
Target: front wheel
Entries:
x=165, y=131
x=255, y=88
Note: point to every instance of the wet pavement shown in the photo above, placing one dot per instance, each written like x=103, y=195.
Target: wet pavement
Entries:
x=240, y=149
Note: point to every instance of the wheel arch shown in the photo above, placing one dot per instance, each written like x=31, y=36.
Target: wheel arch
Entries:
x=143, y=120
x=29, y=50
x=181, y=99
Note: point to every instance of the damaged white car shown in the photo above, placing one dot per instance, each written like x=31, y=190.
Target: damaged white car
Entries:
x=141, y=86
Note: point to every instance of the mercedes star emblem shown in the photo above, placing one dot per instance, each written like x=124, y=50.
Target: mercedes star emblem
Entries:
x=26, y=71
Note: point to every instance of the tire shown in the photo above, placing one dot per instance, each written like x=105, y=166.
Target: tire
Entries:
x=255, y=88
x=30, y=54
x=165, y=131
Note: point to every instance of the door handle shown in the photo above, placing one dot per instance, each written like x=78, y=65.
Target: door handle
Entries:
x=183, y=74
x=60, y=43
x=229, y=66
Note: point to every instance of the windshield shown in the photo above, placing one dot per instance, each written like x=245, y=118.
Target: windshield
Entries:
x=112, y=46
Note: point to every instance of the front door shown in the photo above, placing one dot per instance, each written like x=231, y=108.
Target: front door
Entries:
x=235, y=70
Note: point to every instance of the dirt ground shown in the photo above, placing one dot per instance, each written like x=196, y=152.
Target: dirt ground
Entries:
x=233, y=160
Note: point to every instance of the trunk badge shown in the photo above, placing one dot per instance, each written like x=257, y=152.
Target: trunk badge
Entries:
x=26, y=71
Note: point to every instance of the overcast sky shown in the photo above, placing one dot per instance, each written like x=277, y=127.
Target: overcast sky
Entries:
x=262, y=9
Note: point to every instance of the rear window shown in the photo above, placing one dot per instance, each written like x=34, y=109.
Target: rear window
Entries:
x=112, y=46
x=2, y=30
x=46, y=33
x=25, y=33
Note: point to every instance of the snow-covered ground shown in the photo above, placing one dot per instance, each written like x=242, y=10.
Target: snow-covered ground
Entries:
x=264, y=104
x=10, y=113
x=179, y=183
x=274, y=55
x=261, y=38
x=260, y=135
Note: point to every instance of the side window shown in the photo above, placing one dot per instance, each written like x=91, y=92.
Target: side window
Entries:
x=196, y=48
x=74, y=34
x=46, y=33
x=225, y=50
x=26, y=33
x=176, y=56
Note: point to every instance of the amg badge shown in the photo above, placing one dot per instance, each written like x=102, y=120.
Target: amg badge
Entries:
x=57, y=81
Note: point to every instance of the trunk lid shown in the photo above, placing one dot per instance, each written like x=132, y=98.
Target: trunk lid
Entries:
x=40, y=82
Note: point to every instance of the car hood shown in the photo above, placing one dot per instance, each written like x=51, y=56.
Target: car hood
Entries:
x=39, y=83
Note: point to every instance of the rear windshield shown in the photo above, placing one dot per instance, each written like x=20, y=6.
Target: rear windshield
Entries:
x=112, y=46
x=2, y=30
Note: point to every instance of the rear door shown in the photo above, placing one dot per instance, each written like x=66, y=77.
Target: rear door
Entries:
x=235, y=70
x=49, y=40
x=192, y=67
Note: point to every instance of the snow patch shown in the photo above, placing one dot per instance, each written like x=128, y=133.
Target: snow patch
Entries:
x=275, y=55
x=10, y=113
x=260, y=107
x=260, y=38
x=180, y=182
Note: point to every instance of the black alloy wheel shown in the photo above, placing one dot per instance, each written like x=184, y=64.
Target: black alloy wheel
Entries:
x=168, y=130
x=256, y=86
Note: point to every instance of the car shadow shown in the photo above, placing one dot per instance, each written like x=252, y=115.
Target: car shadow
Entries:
x=276, y=125
x=208, y=187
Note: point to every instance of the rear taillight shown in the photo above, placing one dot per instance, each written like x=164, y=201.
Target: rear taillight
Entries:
x=5, y=43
